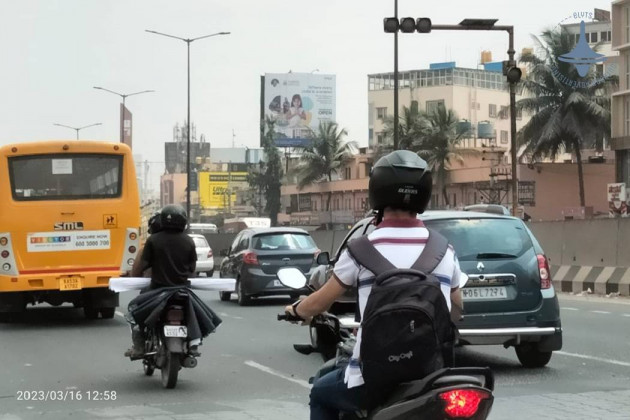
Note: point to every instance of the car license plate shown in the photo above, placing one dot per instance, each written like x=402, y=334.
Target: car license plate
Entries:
x=276, y=283
x=175, y=331
x=70, y=283
x=484, y=293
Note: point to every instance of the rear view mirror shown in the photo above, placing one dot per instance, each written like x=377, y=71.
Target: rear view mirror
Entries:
x=292, y=277
x=323, y=258
x=223, y=253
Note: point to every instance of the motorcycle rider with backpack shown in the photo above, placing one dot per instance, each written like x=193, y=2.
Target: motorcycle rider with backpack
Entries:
x=406, y=277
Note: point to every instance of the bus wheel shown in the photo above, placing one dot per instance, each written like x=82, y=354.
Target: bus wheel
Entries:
x=90, y=312
x=108, y=313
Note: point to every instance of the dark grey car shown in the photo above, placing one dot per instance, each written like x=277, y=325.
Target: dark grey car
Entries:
x=255, y=256
x=509, y=298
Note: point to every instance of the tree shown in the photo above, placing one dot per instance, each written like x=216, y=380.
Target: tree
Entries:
x=327, y=153
x=410, y=129
x=564, y=117
x=267, y=178
x=440, y=136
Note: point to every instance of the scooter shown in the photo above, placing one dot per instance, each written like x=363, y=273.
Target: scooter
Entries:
x=166, y=344
x=449, y=393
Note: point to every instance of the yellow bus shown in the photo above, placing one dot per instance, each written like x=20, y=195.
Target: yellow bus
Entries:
x=69, y=220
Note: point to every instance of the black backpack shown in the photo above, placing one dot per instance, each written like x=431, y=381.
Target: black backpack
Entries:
x=407, y=332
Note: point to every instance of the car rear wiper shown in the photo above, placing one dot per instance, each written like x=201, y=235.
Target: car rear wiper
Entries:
x=495, y=255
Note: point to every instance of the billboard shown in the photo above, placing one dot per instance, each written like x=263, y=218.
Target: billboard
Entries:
x=125, y=118
x=617, y=205
x=217, y=190
x=297, y=102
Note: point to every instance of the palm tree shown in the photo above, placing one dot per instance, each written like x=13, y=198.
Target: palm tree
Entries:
x=564, y=117
x=327, y=153
x=409, y=130
x=440, y=136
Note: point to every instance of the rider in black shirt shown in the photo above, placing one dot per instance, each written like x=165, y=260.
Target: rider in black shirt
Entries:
x=171, y=256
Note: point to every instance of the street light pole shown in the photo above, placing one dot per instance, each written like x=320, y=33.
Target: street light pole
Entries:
x=77, y=129
x=123, y=96
x=188, y=41
x=396, y=79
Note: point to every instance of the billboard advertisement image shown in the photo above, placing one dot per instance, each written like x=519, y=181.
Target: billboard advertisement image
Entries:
x=297, y=103
x=617, y=204
x=217, y=190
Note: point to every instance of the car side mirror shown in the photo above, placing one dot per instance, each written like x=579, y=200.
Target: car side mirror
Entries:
x=223, y=253
x=323, y=258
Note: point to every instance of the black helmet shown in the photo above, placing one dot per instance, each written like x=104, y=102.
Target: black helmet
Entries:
x=400, y=180
x=173, y=217
x=155, y=223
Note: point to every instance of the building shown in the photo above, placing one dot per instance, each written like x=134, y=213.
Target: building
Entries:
x=620, y=104
x=547, y=191
x=479, y=97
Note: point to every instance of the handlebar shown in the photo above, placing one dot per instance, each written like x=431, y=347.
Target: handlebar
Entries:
x=289, y=317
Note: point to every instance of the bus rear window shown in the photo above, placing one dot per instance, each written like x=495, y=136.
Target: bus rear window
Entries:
x=65, y=176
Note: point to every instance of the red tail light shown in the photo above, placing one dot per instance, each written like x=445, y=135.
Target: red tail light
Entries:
x=174, y=316
x=5, y=254
x=463, y=403
x=250, y=258
x=545, y=273
x=210, y=254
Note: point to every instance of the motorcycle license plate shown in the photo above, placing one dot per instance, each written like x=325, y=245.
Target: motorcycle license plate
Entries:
x=484, y=293
x=70, y=283
x=175, y=331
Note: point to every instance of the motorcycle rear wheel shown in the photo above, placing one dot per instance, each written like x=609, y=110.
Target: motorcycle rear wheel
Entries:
x=170, y=369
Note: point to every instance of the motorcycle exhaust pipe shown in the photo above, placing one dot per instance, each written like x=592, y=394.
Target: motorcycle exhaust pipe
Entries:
x=189, y=362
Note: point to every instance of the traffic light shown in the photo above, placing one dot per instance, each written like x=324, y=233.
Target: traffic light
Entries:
x=511, y=71
x=423, y=25
x=408, y=25
x=390, y=25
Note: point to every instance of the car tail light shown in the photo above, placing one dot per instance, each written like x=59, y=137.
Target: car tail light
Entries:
x=463, y=403
x=250, y=258
x=174, y=315
x=545, y=274
x=210, y=254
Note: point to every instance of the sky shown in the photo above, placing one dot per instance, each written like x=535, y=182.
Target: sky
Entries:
x=55, y=51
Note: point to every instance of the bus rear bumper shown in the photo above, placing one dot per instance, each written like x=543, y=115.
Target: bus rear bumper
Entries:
x=89, y=290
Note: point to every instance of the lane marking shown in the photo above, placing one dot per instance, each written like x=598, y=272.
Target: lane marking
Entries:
x=628, y=315
x=271, y=371
x=601, y=312
x=230, y=316
x=595, y=358
x=120, y=314
x=570, y=309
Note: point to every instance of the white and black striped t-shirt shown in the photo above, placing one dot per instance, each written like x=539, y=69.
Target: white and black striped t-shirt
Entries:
x=401, y=241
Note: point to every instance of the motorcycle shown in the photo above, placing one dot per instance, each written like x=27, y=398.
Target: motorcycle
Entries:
x=449, y=393
x=166, y=344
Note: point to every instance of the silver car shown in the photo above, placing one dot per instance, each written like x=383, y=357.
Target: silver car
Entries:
x=205, y=260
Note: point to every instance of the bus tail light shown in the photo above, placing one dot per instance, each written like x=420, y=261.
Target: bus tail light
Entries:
x=131, y=246
x=9, y=266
